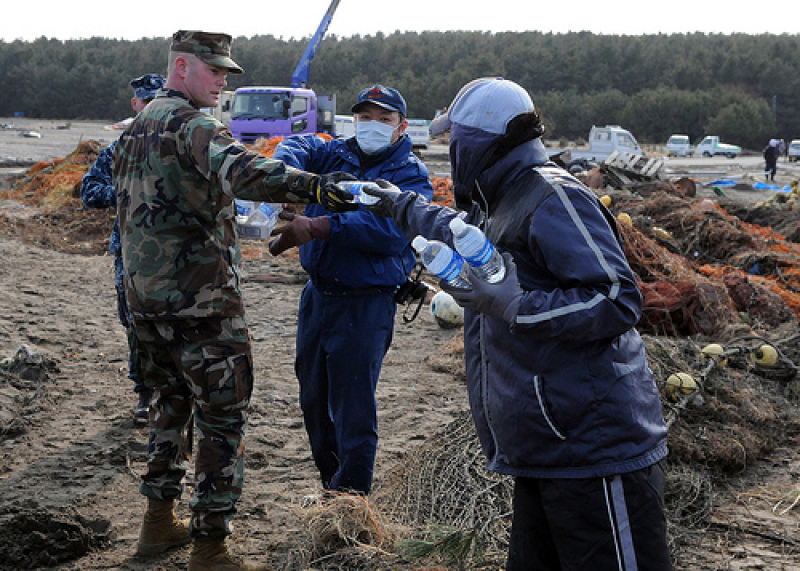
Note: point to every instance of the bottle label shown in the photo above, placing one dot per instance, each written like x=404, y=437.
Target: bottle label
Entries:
x=453, y=268
x=483, y=256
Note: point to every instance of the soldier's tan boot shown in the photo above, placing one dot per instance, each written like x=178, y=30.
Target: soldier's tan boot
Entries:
x=211, y=554
x=161, y=529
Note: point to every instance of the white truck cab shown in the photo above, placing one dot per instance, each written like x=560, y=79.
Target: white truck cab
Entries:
x=794, y=151
x=679, y=146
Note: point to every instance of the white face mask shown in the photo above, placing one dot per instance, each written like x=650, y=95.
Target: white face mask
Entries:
x=374, y=136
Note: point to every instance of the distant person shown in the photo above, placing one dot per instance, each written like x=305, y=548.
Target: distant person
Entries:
x=557, y=376
x=97, y=191
x=356, y=261
x=771, y=153
x=177, y=171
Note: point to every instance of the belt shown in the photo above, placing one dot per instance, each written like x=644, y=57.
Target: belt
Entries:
x=339, y=291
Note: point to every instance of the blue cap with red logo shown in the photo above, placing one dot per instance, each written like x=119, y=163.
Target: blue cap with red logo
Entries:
x=381, y=96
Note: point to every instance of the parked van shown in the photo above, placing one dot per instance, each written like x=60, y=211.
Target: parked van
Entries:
x=794, y=151
x=419, y=132
x=679, y=146
x=344, y=127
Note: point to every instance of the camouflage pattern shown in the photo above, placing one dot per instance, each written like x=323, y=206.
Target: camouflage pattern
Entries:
x=202, y=366
x=97, y=191
x=214, y=49
x=177, y=171
x=146, y=86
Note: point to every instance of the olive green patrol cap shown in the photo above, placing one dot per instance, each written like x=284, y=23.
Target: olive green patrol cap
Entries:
x=214, y=49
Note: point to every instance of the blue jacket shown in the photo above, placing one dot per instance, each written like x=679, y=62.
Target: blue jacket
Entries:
x=565, y=390
x=364, y=250
x=97, y=191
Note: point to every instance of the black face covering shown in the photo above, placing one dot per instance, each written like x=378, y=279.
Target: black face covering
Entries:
x=471, y=150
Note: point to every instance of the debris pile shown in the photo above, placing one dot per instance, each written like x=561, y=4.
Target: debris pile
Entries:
x=54, y=183
x=38, y=537
x=23, y=378
x=701, y=269
x=44, y=205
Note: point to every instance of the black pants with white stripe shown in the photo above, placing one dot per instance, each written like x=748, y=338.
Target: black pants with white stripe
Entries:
x=597, y=524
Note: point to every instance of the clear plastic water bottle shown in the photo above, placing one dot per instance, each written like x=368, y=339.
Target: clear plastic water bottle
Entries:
x=478, y=251
x=256, y=219
x=265, y=214
x=356, y=188
x=442, y=261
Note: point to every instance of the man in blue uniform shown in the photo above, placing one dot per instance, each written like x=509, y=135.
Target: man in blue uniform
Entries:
x=97, y=191
x=356, y=261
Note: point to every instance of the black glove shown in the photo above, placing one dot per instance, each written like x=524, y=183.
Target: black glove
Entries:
x=500, y=300
x=332, y=197
x=387, y=194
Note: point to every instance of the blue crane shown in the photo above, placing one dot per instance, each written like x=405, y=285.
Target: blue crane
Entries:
x=300, y=75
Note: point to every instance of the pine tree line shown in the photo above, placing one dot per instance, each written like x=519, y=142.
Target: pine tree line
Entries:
x=742, y=87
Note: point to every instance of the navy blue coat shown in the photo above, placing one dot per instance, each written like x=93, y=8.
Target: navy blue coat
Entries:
x=363, y=250
x=97, y=191
x=565, y=390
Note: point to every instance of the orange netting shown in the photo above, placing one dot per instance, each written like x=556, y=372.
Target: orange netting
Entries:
x=54, y=183
x=701, y=269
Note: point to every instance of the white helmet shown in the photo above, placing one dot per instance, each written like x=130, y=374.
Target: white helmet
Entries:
x=446, y=311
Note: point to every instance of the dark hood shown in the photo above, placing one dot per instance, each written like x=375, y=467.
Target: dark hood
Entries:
x=471, y=151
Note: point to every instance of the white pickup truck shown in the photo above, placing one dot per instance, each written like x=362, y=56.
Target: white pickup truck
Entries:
x=603, y=141
x=711, y=146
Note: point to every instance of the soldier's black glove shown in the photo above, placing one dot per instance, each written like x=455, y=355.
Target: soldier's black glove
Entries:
x=332, y=197
x=386, y=194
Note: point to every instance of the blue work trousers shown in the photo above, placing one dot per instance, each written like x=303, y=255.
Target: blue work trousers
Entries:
x=126, y=319
x=342, y=339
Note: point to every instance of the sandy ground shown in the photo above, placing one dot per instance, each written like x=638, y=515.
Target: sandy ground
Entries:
x=69, y=465
x=80, y=449
x=74, y=462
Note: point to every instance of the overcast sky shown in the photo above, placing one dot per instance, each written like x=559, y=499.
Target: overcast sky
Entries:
x=65, y=19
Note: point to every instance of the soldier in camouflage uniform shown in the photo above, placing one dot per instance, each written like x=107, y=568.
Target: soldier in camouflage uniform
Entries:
x=177, y=171
x=98, y=192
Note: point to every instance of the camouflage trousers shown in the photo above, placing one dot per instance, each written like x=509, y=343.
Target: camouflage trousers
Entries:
x=200, y=366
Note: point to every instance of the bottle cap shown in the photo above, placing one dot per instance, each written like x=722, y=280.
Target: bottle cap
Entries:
x=419, y=243
x=457, y=226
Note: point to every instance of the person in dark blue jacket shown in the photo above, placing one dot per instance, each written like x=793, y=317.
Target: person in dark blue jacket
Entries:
x=355, y=261
x=559, y=386
x=97, y=191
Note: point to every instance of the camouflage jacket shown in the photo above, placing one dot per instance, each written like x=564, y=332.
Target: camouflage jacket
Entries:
x=177, y=171
x=98, y=192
